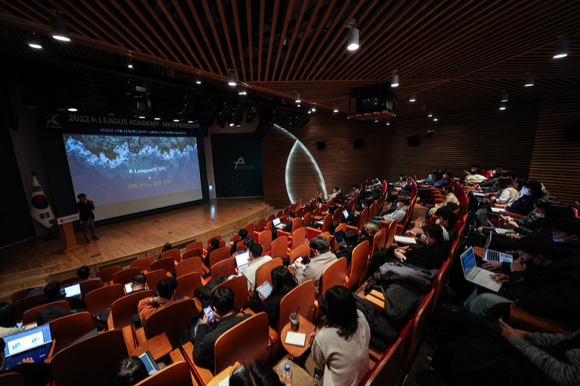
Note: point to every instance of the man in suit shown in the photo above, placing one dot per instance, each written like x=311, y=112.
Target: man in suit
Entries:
x=87, y=217
x=222, y=302
x=52, y=293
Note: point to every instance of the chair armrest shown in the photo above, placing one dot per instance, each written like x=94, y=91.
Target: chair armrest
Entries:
x=512, y=215
x=282, y=234
x=384, y=224
x=521, y=319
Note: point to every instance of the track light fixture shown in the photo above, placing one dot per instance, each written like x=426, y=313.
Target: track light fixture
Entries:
x=435, y=119
x=241, y=90
x=376, y=120
x=530, y=80
x=33, y=40
x=413, y=97
x=176, y=120
x=430, y=114
x=130, y=63
x=504, y=97
x=388, y=123
x=395, y=80
x=232, y=81
x=198, y=80
x=142, y=117
x=314, y=108
x=72, y=109
x=231, y=124
x=353, y=36
x=309, y=111
x=562, y=48
x=297, y=98
x=59, y=28
x=157, y=119
x=502, y=106
x=335, y=109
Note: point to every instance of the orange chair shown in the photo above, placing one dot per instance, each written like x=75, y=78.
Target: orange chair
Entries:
x=300, y=298
x=24, y=304
x=358, y=265
x=11, y=379
x=240, y=245
x=187, y=284
x=89, y=285
x=192, y=253
x=235, y=238
x=420, y=322
x=154, y=277
x=225, y=267
x=30, y=315
x=194, y=245
x=250, y=229
x=239, y=285
x=69, y=281
x=298, y=238
x=271, y=217
x=279, y=247
x=218, y=237
x=334, y=274
x=144, y=264
x=171, y=320
x=363, y=219
x=173, y=253
x=77, y=362
x=296, y=224
x=378, y=241
x=106, y=274
x=18, y=295
x=123, y=309
x=260, y=225
x=167, y=264
x=280, y=213
x=189, y=266
x=67, y=329
x=391, y=232
x=219, y=255
x=102, y=298
x=387, y=371
x=176, y=374
x=125, y=276
x=264, y=272
x=326, y=223
x=337, y=216
x=301, y=251
x=265, y=240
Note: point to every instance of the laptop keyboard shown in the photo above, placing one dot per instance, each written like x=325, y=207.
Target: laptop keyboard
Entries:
x=492, y=256
x=481, y=277
x=38, y=354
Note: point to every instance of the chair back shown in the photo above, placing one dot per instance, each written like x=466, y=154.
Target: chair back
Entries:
x=235, y=238
x=234, y=345
x=89, y=285
x=420, y=322
x=300, y=298
x=171, y=320
x=372, y=210
x=69, y=328
x=225, y=267
x=337, y=216
x=144, y=263
x=387, y=371
x=18, y=295
x=154, y=277
x=301, y=251
x=327, y=223
x=379, y=241
x=250, y=229
x=11, y=379
x=102, y=298
x=307, y=219
x=334, y=274
x=280, y=213
x=298, y=238
x=188, y=266
x=30, y=315
x=271, y=217
x=167, y=264
x=364, y=216
x=187, y=284
x=296, y=223
x=265, y=240
x=240, y=245
x=173, y=253
x=177, y=374
x=77, y=362
x=125, y=276
x=218, y=255
x=260, y=225
x=24, y=304
x=441, y=279
x=239, y=285
x=106, y=274
x=279, y=247
x=391, y=232
x=195, y=252
x=264, y=272
x=70, y=281
x=194, y=245
x=358, y=265
x=123, y=309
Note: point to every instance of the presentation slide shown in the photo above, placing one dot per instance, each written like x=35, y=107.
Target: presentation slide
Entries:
x=124, y=175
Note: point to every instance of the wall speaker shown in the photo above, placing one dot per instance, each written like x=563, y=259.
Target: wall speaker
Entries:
x=358, y=143
x=572, y=131
x=321, y=145
x=413, y=141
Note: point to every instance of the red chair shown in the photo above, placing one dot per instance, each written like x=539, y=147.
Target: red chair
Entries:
x=24, y=304
x=218, y=255
x=265, y=240
x=279, y=247
x=154, y=277
x=189, y=266
x=123, y=309
x=358, y=265
x=225, y=267
x=260, y=225
x=264, y=272
x=102, y=298
x=125, y=276
x=239, y=285
x=90, y=285
x=106, y=274
x=250, y=229
x=174, y=253
x=30, y=315
x=187, y=284
x=70, y=281
x=167, y=264
x=144, y=264
x=192, y=253
x=194, y=245
x=171, y=320
x=18, y=295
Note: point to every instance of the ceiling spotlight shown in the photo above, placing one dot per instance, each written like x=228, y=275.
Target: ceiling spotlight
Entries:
x=435, y=119
x=241, y=90
x=413, y=97
x=231, y=124
x=504, y=97
x=176, y=120
x=353, y=39
x=33, y=40
x=297, y=98
x=72, y=109
x=297, y=105
x=232, y=78
x=562, y=48
x=388, y=123
x=430, y=114
x=59, y=29
x=530, y=80
x=189, y=121
x=141, y=116
x=157, y=119
x=395, y=80
x=198, y=80
x=502, y=106
x=309, y=112
x=129, y=63
x=314, y=108
x=376, y=120
x=347, y=117
x=335, y=109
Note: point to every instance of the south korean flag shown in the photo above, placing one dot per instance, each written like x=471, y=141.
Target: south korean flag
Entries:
x=40, y=208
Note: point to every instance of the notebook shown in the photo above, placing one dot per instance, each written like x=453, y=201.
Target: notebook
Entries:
x=295, y=338
x=491, y=255
x=71, y=290
x=264, y=289
x=405, y=240
x=476, y=275
x=243, y=260
x=500, y=231
x=34, y=343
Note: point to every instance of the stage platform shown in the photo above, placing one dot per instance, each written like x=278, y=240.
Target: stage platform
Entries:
x=35, y=262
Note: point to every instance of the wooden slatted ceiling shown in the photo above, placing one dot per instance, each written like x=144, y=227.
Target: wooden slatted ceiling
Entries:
x=441, y=48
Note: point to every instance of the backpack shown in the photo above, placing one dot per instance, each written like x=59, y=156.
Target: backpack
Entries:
x=203, y=293
x=51, y=313
x=382, y=334
x=402, y=300
x=100, y=319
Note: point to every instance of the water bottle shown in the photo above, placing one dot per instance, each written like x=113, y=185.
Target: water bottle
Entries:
x=287, y=375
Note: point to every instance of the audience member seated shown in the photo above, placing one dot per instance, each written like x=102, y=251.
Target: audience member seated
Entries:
x=52, y=293
x=164, y=249
x=507, y=193
x=445, y=180
x=256, y=262
x=406, y=188
x=257, y=374
x=340, y=348
x=222, y=300
x=369, y=231
x=530, y=223
x=566, y=233
x=474, y=176
x=431, y=178
x=8, y=320
x=335, y=192
x=288, y=227
x=243, y=235
x=138, y=283
x=84, y=274
x=129, y=372
x=430, y=255
x=313, y=270
x=165, y=296
x=351, y=240
x=449, y=198
x=355, y=191
x=531, y=191
x=282, y=282
x=401, y=206
x=33, y=374
x=491, y=184
x=446, y=219
x=213, y=245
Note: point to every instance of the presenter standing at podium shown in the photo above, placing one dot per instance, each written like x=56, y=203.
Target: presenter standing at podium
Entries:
x=85, y=208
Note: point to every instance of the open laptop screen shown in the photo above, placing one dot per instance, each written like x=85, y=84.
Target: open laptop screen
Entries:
x=27, y=340
x=243, y=260
x=468, y=260
x=276, y=221
x=345, y=214
x=72, y=290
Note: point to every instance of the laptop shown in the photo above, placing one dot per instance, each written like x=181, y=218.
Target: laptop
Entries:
x=243, y=260
x=277, y=224
x=339, y=237
x=491, y=255
x=71, y=290
x=481, y=197
x=34, y=343
x=345, y=213
x=476, y=275
x=128, y=288
x=500, y=231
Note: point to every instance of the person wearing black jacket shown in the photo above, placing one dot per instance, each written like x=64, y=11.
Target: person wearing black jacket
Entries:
x=531, y=191
x=351, y=240
x=243, y=234
x=87, y=217
x=282, y=282
x=52, y=293
x=288, y=227
x=428, y=256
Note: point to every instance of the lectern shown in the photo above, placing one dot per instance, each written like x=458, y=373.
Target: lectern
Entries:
x=67, y=233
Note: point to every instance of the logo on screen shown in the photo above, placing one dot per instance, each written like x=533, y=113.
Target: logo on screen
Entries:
x=35, y=339
x=52, y=121
x=15, y=346
x=238, y=162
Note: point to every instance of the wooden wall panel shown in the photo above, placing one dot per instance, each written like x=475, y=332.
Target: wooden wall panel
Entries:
x=490, y=138
x=557, y=163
